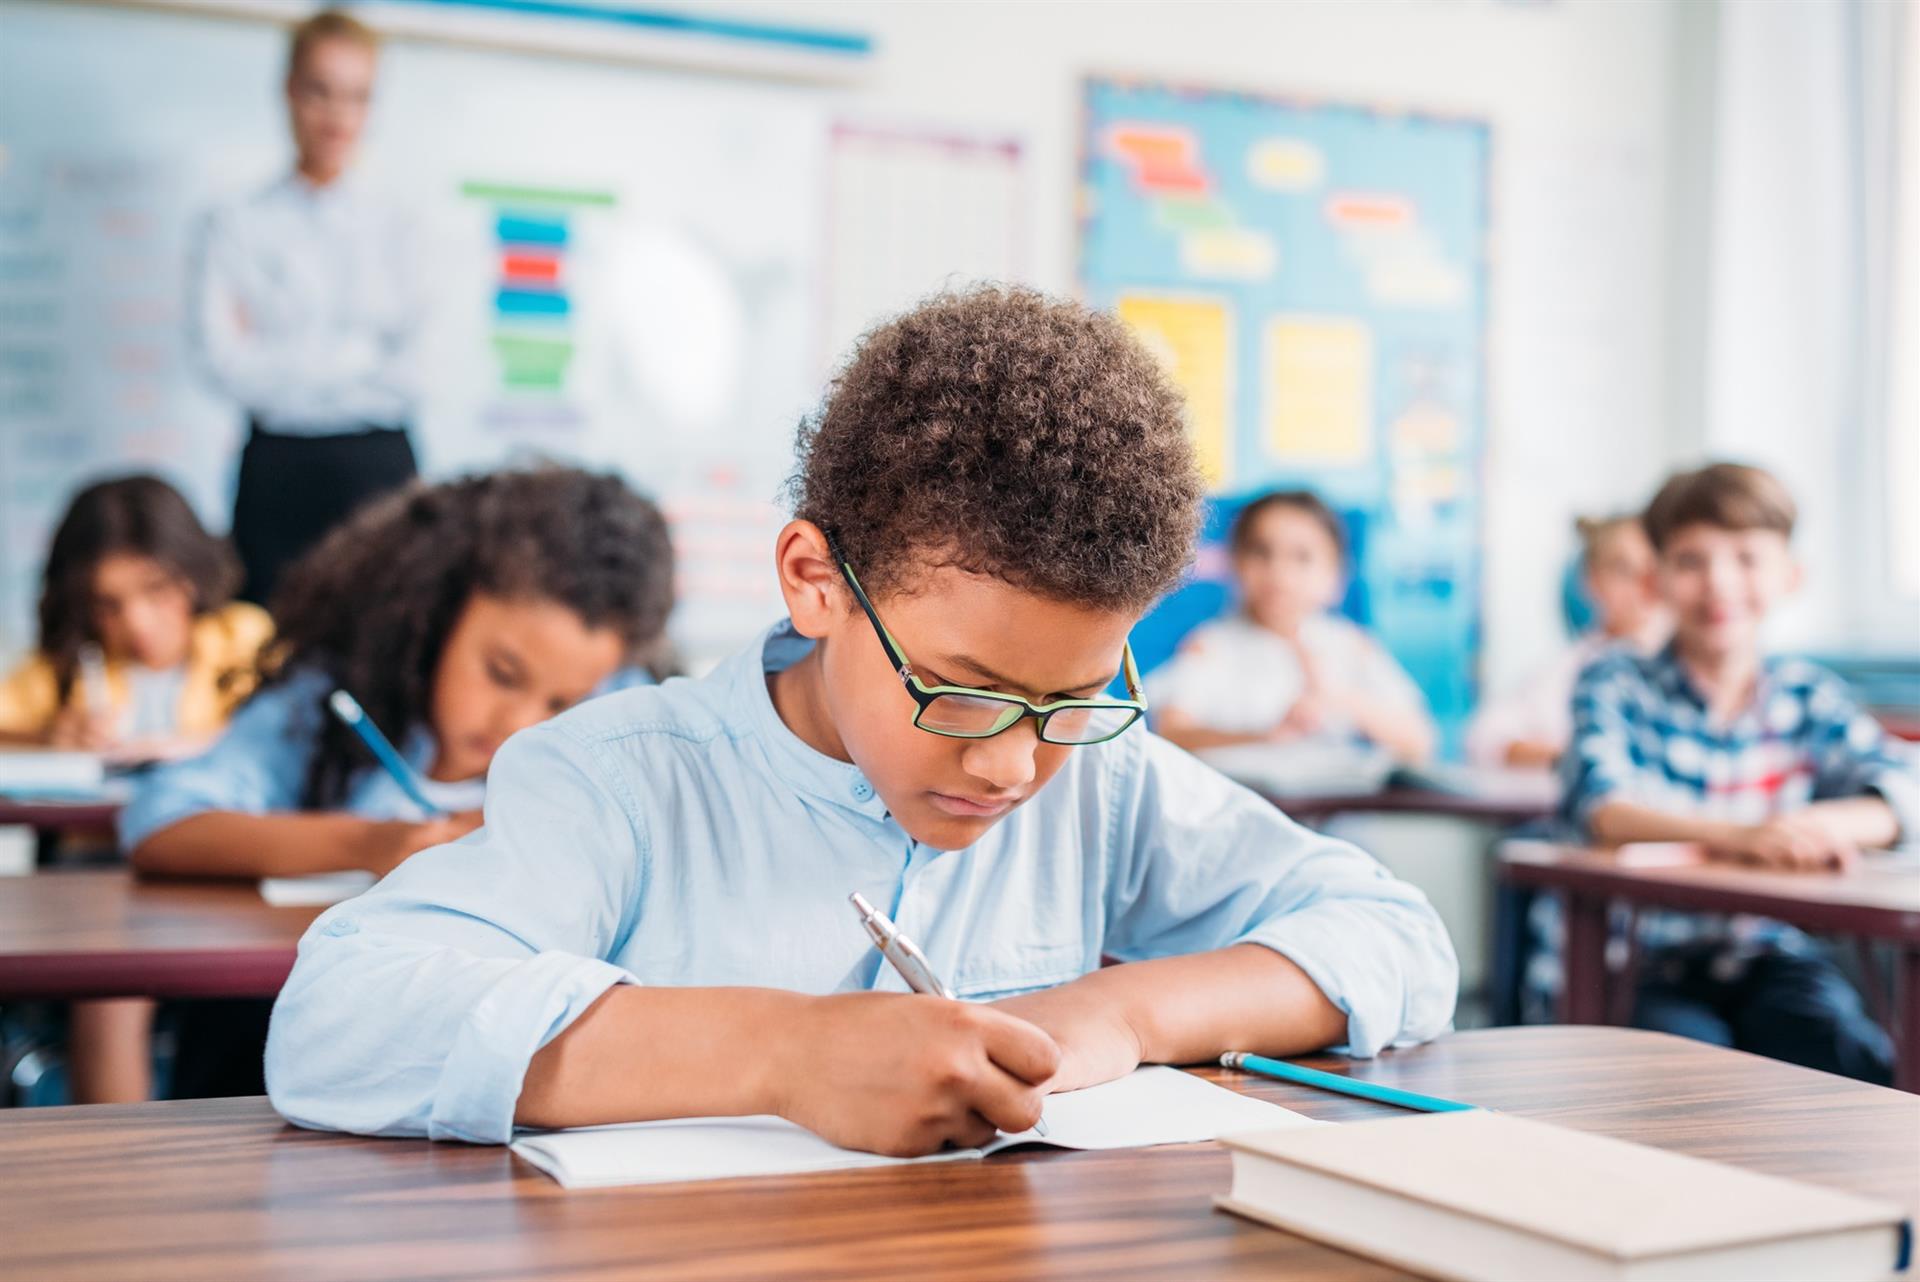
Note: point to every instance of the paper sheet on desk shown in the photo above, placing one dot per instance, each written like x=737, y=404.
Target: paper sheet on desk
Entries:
x=316, y=891
x=1149, y=1106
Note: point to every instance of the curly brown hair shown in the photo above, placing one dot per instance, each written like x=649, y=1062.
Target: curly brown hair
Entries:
x=132, y=516
x=371, y=606
x=1004, y=433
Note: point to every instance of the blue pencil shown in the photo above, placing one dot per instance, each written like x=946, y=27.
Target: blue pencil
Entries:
x=1342, y=1085
x=348, y=709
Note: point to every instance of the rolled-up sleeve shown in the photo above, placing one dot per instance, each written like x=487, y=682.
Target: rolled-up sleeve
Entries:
x=1853, y=756
x=1202, y=863
x=257, y=765
x=1600, y=764
x=416, y=1008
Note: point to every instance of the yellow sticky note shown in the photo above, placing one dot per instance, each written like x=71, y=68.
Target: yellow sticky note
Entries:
x=1192, y=338
x=1319, y=390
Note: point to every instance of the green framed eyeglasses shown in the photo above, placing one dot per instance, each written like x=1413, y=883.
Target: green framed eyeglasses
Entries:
x=962, y=712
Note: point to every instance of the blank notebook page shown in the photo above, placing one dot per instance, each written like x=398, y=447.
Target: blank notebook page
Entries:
x=1149, y=1106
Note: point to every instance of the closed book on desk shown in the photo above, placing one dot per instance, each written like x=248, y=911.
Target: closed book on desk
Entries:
x=1486, y=1197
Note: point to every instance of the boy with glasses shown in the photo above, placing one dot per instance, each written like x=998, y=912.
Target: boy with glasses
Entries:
x=653, y=923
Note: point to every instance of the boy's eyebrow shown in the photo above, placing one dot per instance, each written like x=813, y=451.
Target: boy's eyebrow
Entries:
x=968, y=661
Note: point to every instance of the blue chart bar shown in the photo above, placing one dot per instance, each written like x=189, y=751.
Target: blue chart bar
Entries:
x=531, y=302
x=530, y=229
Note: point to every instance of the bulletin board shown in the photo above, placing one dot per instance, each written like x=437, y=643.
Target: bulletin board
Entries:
x=1313, y=276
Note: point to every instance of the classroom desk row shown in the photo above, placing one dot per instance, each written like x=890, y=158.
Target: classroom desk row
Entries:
x=1877, y=900
x=222, y=1189
x=107, y=933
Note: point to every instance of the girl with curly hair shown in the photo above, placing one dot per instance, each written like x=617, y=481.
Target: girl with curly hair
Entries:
x=456, y=615
x=142, y=651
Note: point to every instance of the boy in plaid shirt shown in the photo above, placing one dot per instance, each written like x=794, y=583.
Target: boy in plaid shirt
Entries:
x=1762, y=760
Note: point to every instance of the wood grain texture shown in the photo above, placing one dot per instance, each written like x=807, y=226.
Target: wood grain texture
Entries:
x=108, y=933
x=215, y=1190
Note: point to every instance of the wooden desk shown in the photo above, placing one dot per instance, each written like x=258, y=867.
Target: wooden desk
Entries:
x=1878, y=900
x=212, y=1190
x=107, y=933
x=45, y=815
x=1500, y=812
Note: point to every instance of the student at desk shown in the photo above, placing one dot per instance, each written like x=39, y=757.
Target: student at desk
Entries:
x=654, y=921
x=1528, y=727
x=456, y=615
x=142, y=654
x=1763, y=760
x=1287, y=669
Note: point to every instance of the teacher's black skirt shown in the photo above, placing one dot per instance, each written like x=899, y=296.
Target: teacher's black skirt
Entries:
x=293, y=489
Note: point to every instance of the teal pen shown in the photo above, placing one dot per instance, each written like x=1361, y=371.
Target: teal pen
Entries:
x=348, y=709
x=1313, y=1077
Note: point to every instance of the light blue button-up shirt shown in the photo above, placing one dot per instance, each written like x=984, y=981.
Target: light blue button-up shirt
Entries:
x=683, y=835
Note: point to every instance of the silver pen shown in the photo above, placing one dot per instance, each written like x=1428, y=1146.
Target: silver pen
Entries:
x=905, y=956
x=903, y=953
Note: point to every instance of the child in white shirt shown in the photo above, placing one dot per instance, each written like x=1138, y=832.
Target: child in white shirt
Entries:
x=1286, y=669
x=1530, y=725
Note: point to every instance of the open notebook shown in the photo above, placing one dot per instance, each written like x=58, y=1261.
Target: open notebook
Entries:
x=1150, y=1106
x=316, y=890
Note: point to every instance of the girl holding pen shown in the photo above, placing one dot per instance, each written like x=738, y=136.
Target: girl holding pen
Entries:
x=453, y=616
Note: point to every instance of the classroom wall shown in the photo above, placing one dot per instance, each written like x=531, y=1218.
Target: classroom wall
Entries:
x=1582, y=99
x=1594, y=356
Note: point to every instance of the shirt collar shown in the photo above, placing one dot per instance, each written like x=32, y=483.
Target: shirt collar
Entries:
x=295, y=187
x=1671, y=676
x=750, y=704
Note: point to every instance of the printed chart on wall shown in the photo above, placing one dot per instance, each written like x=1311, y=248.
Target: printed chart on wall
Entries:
x=1313, y=276
x=617, y=269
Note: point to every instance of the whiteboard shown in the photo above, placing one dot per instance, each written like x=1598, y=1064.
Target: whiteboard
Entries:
x=694, y=305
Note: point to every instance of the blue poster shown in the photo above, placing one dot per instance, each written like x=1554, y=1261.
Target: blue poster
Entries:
x=1314, y=278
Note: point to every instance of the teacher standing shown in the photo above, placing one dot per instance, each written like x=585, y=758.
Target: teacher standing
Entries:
x=308, y=313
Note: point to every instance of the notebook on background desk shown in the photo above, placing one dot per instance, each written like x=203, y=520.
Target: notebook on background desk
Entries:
x=1149, y=1106
x=316, y=890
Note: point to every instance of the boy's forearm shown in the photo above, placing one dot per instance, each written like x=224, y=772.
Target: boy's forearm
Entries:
x=640, y=1054
x=1189, y=1010
x=1405, y=733
x=1615, y=823
x=1868, y=822
x=1194, y=737
x=225, y=843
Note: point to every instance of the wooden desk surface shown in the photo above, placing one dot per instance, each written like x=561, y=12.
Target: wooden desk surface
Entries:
x=46, y=815
x=107, y=933
x=1502, y=811
x=1880, y=898
x=221, y=1189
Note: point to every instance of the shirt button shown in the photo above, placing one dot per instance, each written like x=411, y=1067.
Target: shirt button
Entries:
x=862, y=790
x=341, y=926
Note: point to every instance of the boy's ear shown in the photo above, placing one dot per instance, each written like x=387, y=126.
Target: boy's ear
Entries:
x=809, y=580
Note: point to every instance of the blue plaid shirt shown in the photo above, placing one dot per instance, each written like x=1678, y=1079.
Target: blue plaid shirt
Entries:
x=1642, y=734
